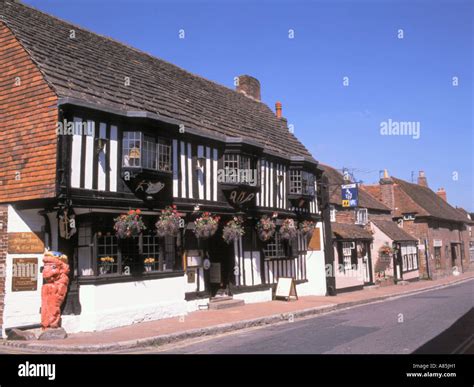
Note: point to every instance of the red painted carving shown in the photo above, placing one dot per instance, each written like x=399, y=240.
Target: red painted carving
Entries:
x=53, y=293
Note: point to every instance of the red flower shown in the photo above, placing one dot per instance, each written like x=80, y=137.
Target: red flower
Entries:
x=138, y=211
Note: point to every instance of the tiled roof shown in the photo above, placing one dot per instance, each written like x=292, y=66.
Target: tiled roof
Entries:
x=425, y=199
x=467, y=215
x=349, y=231
x=336, y=179
x=392, y=230
x=92, y=68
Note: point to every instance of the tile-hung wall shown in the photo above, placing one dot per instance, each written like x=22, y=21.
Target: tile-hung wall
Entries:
x=90, y=170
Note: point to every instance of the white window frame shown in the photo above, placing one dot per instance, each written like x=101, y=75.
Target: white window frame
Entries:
x=362, y=219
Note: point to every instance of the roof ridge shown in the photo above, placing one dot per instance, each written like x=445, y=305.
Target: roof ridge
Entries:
x=437, y=201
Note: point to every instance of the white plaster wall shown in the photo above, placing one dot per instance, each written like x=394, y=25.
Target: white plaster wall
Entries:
x=410, y=275
x=380, y=239
x=22, y=308
x=348, y=278
x=113, y=305
x=253, y=297
x=192, y=306
x=315, y=271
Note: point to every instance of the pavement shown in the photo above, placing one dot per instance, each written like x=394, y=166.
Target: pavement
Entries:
x=215, y=322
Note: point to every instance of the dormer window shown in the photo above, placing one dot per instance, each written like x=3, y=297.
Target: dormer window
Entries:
x=144, y=151
x=301, y=182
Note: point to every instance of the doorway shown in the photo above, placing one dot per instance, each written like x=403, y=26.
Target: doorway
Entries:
x=453, y=255
x=220, y=255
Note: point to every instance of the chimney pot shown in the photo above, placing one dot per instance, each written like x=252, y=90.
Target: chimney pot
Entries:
x=249, y=86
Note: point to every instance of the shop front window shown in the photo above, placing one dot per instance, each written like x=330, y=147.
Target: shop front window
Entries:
x=107, y=253
x=146, y=253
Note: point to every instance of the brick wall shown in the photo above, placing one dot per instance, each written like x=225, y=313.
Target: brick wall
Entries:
x=446, y=232
x=3, y=257
x=348, y=216
x=28, y=123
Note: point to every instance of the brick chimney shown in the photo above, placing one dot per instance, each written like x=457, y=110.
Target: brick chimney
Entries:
x=387, y=194
x=249, y=86
x=278, y=109
x=422, y=179
x=442, y=194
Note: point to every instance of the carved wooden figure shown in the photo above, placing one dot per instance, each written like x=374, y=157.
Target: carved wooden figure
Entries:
x=53, y=293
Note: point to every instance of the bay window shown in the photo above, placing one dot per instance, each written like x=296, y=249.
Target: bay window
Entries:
x=301, y=182
x=238, y=168
x=140, y=150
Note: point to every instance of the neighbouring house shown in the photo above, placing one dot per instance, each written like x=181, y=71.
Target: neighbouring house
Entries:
x=441, y=230
x=92, y=129
x=395, y=252
x=359, y=234
x=470, y=231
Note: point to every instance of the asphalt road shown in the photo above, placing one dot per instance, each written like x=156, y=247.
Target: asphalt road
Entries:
x=438, y=321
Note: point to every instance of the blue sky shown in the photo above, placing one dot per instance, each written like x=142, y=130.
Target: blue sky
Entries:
x=405, y=80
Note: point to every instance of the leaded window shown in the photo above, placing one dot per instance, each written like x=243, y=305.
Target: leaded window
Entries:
x=301, y=182
x=145, y=151
x=237, y=168
x=274, y=249
x=107, y=253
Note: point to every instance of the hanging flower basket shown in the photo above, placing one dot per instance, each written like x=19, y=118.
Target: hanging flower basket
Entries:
x=206, y=226
x=168, y=223
x=129, y=225
x=288, y=229
x=386, y=250
x=266, y=228
x=233, y=230
x=306, y=227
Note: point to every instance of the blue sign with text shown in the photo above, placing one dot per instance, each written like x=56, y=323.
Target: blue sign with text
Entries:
x=350, y=195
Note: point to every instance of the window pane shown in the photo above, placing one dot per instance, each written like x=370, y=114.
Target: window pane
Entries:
x=107, y=256
x=131, y=149
x=164, y=155
x=296, y=183
x=149, y=153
